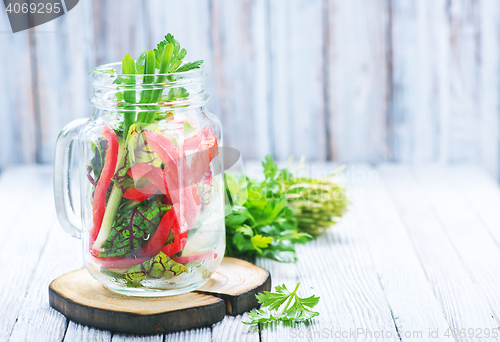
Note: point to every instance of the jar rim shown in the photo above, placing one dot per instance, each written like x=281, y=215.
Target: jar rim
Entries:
x=106, y=79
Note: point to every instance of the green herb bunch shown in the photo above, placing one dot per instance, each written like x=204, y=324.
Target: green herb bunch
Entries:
x=281, y=211
x=316, y=202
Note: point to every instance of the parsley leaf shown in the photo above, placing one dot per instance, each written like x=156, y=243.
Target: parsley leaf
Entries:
x=299, y=311
x=189, y=66
x=104, y=70
x=177, y=55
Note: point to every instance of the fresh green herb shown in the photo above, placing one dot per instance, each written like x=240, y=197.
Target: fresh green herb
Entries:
x=176, y=55
x=316, y=202
x=177, y=94
x=189, y=66
x=107, y=71
x=160, y=266
x=131, y=230
x=97, y=162
x=280, y=211
x=299, y=311
x=135, y=150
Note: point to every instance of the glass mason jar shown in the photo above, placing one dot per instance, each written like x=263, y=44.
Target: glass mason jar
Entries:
x=151, y=182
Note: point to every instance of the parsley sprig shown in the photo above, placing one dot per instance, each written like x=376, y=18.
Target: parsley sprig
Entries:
x=299, y=311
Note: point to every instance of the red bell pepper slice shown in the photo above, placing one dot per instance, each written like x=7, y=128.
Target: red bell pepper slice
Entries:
x=177, y=245
x=180, y=230
x=195, y=256
x=157, y=241
x=152, y=173
x=99, y=204
x=203, y=139
x=207, y=150
x=169, y=154
x=140, y=194
x=118, y=262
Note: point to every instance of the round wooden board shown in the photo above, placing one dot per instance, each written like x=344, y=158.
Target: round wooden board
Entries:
x=83, y=299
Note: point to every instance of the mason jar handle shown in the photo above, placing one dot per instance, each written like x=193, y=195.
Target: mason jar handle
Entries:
x=62, y=178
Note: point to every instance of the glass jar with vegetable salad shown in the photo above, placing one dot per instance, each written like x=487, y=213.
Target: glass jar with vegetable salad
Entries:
x=151, y=186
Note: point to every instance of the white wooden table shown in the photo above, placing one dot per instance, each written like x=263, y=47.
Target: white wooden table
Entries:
x=418, y=252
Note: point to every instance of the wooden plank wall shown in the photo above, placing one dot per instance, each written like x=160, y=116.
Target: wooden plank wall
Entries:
x=345, y=80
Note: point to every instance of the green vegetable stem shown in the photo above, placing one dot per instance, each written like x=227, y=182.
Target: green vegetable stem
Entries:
x=128, y=68
x=167, y=58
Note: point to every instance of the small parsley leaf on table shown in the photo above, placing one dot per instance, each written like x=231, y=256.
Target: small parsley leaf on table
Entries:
x=299, y=311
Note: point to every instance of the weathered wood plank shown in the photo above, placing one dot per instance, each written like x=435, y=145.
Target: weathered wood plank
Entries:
x=346, y=272
x=489, y=97
x=64, y=56
x=481, y=192
x=464, y=305
x=464, y=81
x=297, y=71
x=136, y=338
x=231, y=328
x=420, y=99
x=78, y=332
x=358, y=84
x=338, y=268
x=194, y=335
x=20, y=252
x=239, y=81
x=193, y=31
x=17, y=108
x=37, y=320
x=468, y=233
x=120, y=27
x=414, y=307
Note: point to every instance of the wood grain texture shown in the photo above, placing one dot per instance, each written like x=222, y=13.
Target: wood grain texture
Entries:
x=193, y=31
x=235, y=46
x=36, y=319
x=469, y=234
x=79, y=332
x=481, y=193
x=419, y=116
x=489, y=100
x=20, y=252
x=357, y=84
x=464, y=83
x=18, y=141
x=195, y=335
x=463, y=304
x=361, y=80
x=237, y=282
x=232, y=329
x=83, y=299
x=413, y=303
x=64, y=53
x=413, y=237
x=297, y=70
x=136, y=338
x=338, y=268
x=118, y=28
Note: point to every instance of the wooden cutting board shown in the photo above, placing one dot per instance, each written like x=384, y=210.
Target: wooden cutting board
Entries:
x=230, y=290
